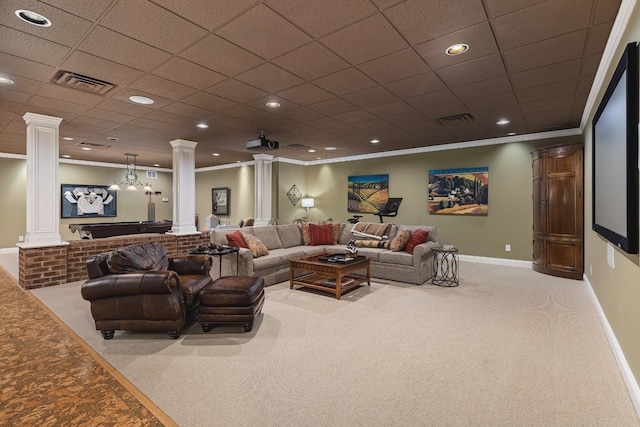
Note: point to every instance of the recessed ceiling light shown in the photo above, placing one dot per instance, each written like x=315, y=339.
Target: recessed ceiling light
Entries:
x=6, y=81
x=202, y=125
x=503, y=122
x=113, y=138
x=141, y=100
x=216, y=154
x=67, y=138
x=66, y=156
x=330, y=148
x=511, y=133
x=273, y=104
x=311, y=150
x=457, y=49
x=33, y=18
x=375, y=141
x=86, y=148
x=156, y=165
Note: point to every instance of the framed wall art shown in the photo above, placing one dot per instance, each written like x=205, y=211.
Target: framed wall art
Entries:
x=294, y=194
x=367, y=193
x=462, y=191
x=221, y=200
x=85, y=201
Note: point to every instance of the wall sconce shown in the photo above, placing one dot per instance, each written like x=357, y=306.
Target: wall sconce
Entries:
x=307, y=202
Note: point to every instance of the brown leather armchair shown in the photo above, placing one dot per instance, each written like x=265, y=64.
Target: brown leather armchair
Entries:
x=139, y=288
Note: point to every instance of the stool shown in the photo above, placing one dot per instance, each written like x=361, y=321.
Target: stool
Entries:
x=231, y=299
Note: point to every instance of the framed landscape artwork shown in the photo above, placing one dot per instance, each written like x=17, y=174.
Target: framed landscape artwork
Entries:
x=84, y=201
x=367, y=193
x=459, y=191
x=221, y=200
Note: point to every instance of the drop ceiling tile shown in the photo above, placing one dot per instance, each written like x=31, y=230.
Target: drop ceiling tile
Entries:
x=87, y=9
x=162, y=87
x=501, y=101
x=391, y=109
x=188, y=73
x=440, y=111
x=597, y=40
x=546, y=75
x=356, y=116
x=319, y=18
x=590, y=65
x=372, y=125
x=483, y=88
x=95, y=123
x=540, y=22
x=124, y=107
x=126, y=92
x=366, y=40
x=186, y=110
x=548, y=120
x=416, y=85
x=585, y=83
x=70, y=95
x=332, y=106
x=236, y=91
x=396, y=66
x=66, y=29
x=10, y=106
x=112, y=116
x=274, y=39
x=261, y=104
x=540, y=93
x=163, y=116
x=219, y=55
x=209, y=14
x=370, y=97
x=269, y=78
x=476, y=70
x=208, y=101
x=151, y=24
x=547, y=52
x=606, y=10
x=499, y=7
x=419, y=20
x=305, y=94
x=479, y=38
x=102, y=69
x=325, y=123
x=124, y=50
x=556, y=103
x=21, y=84
x=14, y=66
x=311, y=61
x=30, y=47
x=344, y=82
x=244, y=112
x=301, y=114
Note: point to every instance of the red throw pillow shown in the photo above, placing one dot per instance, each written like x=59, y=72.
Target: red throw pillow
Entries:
x=321, y=234
x=235, y=239
x=417, y=237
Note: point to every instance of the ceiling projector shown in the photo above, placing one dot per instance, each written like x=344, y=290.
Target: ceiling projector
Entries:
x=262, y=143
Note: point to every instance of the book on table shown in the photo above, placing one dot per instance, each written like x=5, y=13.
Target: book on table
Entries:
x=332, y=281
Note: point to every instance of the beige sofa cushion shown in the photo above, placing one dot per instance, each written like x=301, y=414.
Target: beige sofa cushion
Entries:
x=269, y=236
x=290, y=235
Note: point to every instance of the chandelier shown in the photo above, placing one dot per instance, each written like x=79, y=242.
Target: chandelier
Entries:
x=130, y=181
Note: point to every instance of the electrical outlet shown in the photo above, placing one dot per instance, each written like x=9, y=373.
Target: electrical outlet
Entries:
x=507, y=248
x=590, y=269
x=20, y=238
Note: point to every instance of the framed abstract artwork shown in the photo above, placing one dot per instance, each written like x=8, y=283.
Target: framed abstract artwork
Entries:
x=367, y=193
x=85, y=201
x=463, y=191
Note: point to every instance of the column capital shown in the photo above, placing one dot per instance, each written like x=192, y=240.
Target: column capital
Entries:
x=268, y=157
x=183, y=143
x=32, y=118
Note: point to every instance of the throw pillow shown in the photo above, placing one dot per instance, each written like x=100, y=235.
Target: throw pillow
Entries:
x=400, y=241
x=371, y=228
x=236, y=239
x=255, y=245
x=141, y=257
x=417, y=237
x=247, y=222
x=321, y=234
x=306, y=233
x=336, y=230
x=380, y=244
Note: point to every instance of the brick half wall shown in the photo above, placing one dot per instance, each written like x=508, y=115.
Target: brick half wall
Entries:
x=56, y=265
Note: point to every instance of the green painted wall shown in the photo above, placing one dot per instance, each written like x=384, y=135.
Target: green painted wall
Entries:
x=13, y=201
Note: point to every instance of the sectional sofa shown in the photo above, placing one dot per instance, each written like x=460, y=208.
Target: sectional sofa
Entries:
x=285, y=242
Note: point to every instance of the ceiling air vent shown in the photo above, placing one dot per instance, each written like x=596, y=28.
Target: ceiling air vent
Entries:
x=458, y=119
x=93, y=145
x=297, y=147
x=83, y=83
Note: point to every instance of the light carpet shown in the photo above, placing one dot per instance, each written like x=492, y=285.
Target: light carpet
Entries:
x=508, y=347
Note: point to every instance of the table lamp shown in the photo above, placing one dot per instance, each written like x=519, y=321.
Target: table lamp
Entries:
x=307, y=202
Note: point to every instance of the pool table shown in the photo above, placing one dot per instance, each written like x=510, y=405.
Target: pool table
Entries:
x=109, y=229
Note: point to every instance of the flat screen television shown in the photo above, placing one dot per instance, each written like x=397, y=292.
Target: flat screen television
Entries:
x=615, y=157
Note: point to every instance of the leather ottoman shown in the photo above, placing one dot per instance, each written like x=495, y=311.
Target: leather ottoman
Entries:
x=231, y=299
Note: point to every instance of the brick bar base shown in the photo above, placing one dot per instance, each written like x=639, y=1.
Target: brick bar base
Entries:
x=56, y=265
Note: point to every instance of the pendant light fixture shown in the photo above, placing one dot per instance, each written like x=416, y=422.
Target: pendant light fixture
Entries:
x=130, y=181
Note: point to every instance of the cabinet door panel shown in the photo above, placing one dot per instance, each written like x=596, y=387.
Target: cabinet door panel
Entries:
x=561, y=206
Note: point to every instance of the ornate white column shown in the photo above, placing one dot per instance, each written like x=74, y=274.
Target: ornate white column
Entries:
x=263, y=174
x=43, y=190
x=184, y=191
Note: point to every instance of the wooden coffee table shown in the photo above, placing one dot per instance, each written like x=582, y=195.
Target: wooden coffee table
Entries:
x=334, y=277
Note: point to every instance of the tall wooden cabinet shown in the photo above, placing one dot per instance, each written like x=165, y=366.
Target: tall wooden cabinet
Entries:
x=558, y=211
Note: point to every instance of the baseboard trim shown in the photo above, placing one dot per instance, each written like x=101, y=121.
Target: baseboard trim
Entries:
x=496, y=261
x=625, y=370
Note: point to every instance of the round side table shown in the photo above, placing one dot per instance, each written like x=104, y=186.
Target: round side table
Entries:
x=445, y=267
